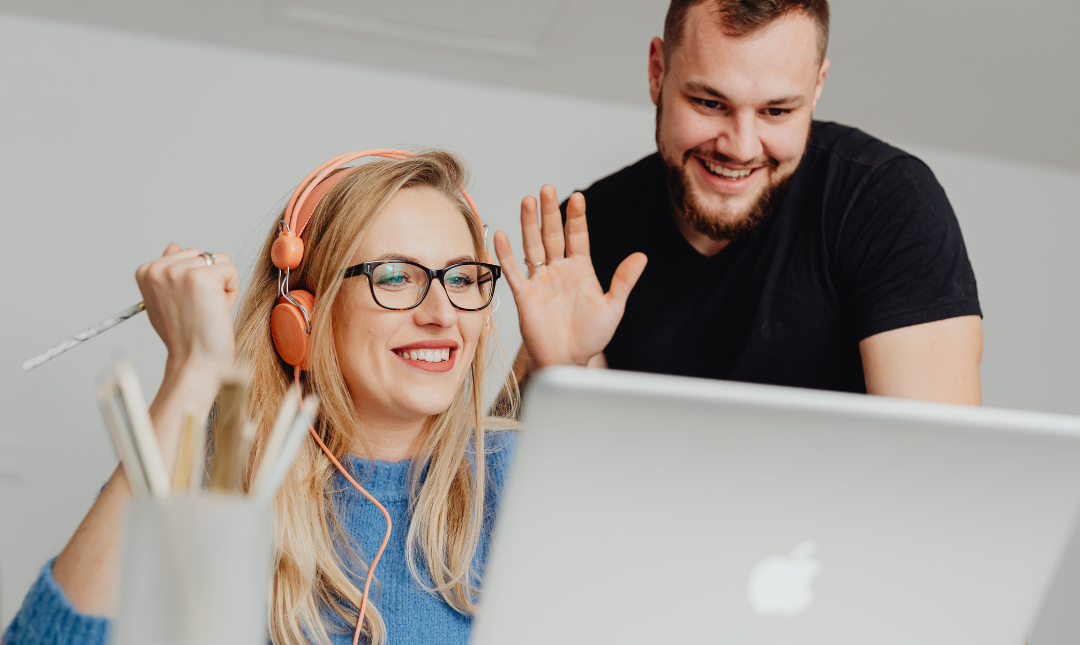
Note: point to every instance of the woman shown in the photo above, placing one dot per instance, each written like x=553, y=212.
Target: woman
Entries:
x=398, y=362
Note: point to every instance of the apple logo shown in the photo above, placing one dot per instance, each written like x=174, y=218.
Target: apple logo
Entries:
x=780, y=584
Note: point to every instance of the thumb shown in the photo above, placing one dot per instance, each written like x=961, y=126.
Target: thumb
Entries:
x=626, y=276
x=232, y=285
x=172, y=248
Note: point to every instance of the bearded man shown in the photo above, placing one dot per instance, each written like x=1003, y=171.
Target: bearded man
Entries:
x=780, y=249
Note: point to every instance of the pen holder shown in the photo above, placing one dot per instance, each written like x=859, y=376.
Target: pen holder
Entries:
x=196, y=571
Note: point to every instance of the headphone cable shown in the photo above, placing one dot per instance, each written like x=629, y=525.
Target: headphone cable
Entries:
x=386, y=538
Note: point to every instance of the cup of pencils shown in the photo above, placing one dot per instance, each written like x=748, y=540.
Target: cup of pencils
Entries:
x=198, y=548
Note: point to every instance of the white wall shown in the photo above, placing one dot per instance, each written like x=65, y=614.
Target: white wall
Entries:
x=112, y=145
x=1021, y=223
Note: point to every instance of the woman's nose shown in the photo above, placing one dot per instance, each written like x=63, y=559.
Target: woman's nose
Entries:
x=436, y=308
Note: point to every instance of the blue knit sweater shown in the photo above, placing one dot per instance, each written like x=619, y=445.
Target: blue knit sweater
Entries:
x=412, y=615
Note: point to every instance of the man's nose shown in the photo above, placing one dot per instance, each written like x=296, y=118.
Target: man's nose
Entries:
x=436, y=308
x=739, y=141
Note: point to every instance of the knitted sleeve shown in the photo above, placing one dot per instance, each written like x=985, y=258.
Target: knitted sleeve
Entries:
x=47, y=617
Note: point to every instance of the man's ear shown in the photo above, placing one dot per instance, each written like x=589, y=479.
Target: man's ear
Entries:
x=656, y=68
x=821, y=80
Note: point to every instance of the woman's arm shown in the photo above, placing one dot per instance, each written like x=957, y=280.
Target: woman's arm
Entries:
x=188, y=303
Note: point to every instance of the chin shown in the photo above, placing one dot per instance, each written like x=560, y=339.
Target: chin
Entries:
x=725, y=210
x=429, y=407
x=429, y=400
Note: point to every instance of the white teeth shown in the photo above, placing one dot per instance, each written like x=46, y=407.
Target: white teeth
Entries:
x=428, y=355
x=725, y=172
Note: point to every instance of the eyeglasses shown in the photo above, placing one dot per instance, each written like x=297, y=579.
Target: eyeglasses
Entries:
x=401, y=285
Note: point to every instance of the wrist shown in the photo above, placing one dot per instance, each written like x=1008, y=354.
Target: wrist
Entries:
x=189, y=385
x=195, y=367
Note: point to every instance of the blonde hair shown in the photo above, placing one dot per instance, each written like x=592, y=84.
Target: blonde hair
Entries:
x=447, y=491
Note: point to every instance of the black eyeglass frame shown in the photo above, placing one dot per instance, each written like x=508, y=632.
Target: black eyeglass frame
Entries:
x=368, y=268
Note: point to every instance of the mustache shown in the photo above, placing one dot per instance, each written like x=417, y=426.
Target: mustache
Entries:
x=715, y=157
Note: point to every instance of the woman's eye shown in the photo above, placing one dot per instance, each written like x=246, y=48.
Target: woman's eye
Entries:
x=459, y=282
x=392, y=280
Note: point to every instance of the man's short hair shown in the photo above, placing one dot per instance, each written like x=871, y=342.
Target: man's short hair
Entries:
x=742, y=17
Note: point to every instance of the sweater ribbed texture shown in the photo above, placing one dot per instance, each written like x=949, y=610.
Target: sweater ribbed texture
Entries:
x=412, y=615
x=48, y=618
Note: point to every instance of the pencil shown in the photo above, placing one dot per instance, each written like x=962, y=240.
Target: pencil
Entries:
x=137, y=417
x=293, y=441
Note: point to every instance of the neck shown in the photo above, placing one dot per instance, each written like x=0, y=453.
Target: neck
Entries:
x=387, y=439
x=702, y=243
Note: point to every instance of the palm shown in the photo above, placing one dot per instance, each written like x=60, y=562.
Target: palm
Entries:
x=565, y=316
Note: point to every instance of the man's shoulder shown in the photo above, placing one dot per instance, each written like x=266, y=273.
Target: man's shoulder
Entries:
x=632, y=183
x=850, y=164
x=847, y=145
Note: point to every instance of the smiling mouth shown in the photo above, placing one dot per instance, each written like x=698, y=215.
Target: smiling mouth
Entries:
x=427, y=355
x=726, y=173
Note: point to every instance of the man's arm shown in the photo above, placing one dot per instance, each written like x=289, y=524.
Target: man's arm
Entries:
x=935, y=361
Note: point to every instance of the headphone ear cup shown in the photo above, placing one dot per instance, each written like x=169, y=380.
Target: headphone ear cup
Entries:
x=289, y=330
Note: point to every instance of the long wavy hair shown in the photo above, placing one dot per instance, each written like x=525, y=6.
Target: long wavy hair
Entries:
x=313, y=556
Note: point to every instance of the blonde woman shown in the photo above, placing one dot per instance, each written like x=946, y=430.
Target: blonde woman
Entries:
x=398, y=361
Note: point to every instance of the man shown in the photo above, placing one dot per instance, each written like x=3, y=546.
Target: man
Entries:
x=780, y=250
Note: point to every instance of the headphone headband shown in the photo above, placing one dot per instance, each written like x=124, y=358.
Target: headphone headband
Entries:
x=322, y=179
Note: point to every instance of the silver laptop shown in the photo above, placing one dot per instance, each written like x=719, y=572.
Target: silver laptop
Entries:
x=653, y=509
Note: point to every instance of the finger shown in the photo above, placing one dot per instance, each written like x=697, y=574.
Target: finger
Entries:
x=222, y=258
x=172, y=248
x=178, y=255
x=179, y=265
x=514, y=277
x=626, y=276
x=200, y=260
x=230, y=278
x=551, y=221
x=531, y=240
x=209, y=279
x=577, y=231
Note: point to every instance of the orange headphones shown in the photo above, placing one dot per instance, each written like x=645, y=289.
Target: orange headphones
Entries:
x=290, y=322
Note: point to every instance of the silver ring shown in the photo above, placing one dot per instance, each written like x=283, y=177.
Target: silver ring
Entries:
x=211, y=258
x=536, y=265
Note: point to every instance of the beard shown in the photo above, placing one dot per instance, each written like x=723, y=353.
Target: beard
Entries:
x=725, y=224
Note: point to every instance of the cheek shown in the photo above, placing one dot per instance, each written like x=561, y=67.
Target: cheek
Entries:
x=787, y=142
x=684, y=128
x=471, y=328
x=359, y=332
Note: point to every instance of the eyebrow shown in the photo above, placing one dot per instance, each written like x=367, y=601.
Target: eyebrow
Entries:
x=702, y=88
x=408, y=258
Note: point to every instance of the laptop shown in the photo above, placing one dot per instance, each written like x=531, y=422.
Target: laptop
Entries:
x=657, y=509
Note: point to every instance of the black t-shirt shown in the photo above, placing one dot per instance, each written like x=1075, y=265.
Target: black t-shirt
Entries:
x=863, y=241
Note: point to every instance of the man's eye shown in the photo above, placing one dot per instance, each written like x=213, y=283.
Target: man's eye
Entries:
x=776, y=111
x=709, y=105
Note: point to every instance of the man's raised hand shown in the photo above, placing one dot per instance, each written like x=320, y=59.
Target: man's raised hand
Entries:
x=565, y=316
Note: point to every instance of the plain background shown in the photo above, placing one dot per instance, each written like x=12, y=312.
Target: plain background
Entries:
x=113, y=144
